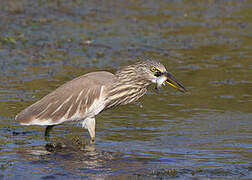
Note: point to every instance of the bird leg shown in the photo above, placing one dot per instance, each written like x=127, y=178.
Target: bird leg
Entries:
x=89, y=123
x=47, y=132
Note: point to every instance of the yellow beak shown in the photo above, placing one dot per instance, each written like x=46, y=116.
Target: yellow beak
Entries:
x=173, y=82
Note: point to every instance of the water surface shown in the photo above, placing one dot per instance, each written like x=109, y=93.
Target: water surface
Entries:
x=205, y=133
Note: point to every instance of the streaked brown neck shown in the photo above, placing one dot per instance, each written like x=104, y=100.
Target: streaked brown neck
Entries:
x=129, y=87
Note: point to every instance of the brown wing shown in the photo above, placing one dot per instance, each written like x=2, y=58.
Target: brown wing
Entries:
x=68, y=102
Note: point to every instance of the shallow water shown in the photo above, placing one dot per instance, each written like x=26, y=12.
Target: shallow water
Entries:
x=205, y=133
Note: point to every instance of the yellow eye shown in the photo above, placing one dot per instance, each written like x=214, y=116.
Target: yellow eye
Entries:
x=156, y=71
x=153, y=69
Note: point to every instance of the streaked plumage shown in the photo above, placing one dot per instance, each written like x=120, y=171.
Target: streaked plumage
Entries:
x=86, y=96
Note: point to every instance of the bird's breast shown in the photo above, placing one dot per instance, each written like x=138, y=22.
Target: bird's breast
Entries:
x=123, y=94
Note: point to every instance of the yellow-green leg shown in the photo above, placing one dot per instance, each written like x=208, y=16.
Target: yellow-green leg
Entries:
x=47, y=132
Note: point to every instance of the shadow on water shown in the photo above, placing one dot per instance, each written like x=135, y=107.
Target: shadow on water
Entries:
x=205, y=133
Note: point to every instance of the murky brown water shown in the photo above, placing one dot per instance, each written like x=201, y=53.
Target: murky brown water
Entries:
x=207, y=45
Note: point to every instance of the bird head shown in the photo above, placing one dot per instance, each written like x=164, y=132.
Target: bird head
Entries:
x=156, y=73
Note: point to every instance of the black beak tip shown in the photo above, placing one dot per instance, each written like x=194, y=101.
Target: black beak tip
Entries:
x=183, y=90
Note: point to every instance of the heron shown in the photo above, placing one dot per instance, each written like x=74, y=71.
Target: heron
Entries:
x=82, y=98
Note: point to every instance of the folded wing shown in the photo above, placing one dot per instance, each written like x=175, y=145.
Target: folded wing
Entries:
x=77, y=99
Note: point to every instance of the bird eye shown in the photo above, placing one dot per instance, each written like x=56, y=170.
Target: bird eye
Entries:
x=153, y=69
x=156, y=71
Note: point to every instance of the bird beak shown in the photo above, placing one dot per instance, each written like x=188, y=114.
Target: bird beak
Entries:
x=173, y=82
